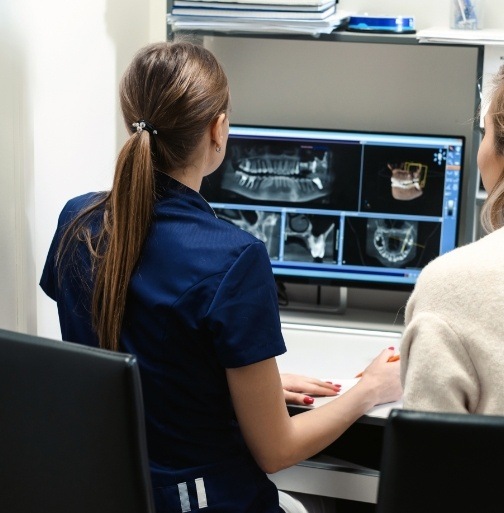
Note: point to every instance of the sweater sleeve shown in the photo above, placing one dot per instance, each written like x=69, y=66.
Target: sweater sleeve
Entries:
x=436, y=371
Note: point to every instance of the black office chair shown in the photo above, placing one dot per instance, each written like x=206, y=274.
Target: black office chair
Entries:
x=72, y=433
x=441, y=462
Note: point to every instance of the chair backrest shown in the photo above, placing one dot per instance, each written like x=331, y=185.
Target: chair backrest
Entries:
x=441, y=462
x=72, y=432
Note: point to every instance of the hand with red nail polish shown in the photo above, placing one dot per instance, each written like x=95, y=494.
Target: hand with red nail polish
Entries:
x=301, y=389
x=392, y=358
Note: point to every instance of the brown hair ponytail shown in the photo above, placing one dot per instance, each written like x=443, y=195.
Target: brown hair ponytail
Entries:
x=127, y=220
x=177, y=89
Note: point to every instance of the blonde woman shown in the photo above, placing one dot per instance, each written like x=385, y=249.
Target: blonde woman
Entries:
x=452, y=353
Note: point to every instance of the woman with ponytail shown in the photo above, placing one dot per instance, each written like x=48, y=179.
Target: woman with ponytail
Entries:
x=147, y=268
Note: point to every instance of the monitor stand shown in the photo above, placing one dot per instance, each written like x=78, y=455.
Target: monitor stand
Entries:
x=318, y=299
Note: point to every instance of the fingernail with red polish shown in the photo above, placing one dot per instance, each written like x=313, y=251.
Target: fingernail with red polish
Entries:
x=391, y=348
x=308, y=400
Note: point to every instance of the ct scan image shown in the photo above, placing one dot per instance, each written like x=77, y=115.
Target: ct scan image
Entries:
x=287, y=173
x=400, y=180
x=263, y=225
x=393, y=243
x=310, y=238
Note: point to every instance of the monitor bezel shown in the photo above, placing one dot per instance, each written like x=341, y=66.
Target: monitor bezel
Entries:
x=338, y=281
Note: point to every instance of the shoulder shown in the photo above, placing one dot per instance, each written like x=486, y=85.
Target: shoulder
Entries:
x=227, y=234
x=464, y=272
x=236, y=250
x=77, y=204
x=470, y=259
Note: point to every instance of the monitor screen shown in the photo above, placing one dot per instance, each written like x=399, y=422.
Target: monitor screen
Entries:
x=342, y=207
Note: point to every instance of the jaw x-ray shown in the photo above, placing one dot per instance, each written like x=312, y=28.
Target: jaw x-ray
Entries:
x=392, y=242
x=278, y=172
x=290, y=174
x=263, y=225
x=306, y=238
x=310, y=238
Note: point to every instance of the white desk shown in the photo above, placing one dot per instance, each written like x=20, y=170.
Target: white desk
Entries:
x=337, y=349
x=334, y=353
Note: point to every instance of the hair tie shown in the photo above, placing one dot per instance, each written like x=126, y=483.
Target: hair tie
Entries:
x=144, y=125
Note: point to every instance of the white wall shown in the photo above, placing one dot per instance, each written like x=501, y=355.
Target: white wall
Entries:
x=60, y=128
x=60, y=65
x=14, y=133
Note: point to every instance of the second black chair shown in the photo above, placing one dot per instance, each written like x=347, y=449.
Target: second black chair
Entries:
x=441, y=462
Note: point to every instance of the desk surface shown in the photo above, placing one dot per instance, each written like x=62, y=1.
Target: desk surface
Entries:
x=376, y=415
x=336, y=348
x=336, y=353
x=356, y=318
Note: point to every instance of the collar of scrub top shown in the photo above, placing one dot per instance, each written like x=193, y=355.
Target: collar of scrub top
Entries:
x=167, y=187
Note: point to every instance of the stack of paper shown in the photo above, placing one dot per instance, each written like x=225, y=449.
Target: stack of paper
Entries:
x=298, y=16
x=452, y=36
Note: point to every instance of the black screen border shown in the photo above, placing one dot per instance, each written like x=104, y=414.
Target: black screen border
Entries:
x=338, y=281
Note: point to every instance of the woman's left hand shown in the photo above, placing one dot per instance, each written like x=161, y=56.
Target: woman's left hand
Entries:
x=300, y=389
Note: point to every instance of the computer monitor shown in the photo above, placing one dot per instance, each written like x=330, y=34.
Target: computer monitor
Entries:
x=344, y=208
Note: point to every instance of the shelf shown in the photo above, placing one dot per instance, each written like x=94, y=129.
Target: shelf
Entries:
x=338, y=35
x=342, y=36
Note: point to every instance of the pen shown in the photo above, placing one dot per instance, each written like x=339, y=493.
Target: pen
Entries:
x=392, y=358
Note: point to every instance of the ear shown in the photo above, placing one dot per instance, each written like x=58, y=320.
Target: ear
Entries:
x=217, y=131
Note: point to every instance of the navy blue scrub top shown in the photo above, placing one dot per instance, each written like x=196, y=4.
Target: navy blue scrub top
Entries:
x=201, y=299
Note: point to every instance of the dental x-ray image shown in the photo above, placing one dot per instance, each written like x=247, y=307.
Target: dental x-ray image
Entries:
x=279, y=172
x=263, y=225
x=310, y=238
x=393, y=243
x=286, y=173
x=405, y=180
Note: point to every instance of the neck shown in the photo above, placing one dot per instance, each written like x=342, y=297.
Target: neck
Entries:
x=189, y=179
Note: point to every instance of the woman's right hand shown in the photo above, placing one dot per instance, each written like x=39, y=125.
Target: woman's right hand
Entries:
x=277, y=440
x=383, y=378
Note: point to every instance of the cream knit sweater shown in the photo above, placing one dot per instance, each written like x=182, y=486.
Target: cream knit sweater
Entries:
x=452, y=352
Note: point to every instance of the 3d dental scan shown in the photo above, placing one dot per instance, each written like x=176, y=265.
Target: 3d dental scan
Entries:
x=405, y=180
x=349, y=207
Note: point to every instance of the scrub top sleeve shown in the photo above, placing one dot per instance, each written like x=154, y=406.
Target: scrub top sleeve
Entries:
x=243, y=315
x=49, y=279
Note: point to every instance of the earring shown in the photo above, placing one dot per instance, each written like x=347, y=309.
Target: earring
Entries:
x=218, y=149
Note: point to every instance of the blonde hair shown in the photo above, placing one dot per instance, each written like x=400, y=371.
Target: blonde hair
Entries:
x=178, y=88
x=492, y=212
